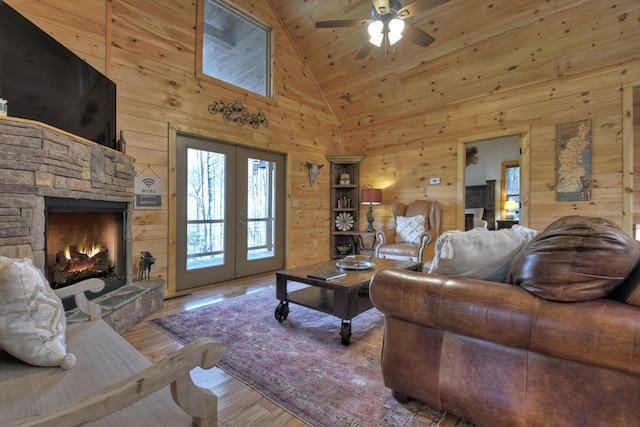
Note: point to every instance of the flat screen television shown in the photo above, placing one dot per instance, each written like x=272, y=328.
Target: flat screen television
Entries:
x=44, y=81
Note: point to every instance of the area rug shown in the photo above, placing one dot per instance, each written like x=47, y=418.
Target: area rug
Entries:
x=300, y=363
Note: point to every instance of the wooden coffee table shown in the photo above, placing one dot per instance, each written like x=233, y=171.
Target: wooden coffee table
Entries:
x=345, y=297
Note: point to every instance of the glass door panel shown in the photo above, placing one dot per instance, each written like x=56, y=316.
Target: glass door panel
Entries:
x=260, y=209
x=205, y=212
x=205, y=208
x=260, y=231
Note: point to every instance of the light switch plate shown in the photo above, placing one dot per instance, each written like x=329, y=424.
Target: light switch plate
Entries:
x=433, y=181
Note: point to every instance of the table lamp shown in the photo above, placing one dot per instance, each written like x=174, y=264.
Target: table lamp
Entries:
x=510, y=206
x=372, y=196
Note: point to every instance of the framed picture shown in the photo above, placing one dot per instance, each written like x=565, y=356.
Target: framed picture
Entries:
x=573, y=154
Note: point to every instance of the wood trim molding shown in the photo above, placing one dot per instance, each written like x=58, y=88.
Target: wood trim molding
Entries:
x=627, y=158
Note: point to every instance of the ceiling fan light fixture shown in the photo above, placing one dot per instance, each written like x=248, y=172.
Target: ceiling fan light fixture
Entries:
x=375, y=32
x=395, y=30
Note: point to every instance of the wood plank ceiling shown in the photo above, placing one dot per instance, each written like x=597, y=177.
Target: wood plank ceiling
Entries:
x=480, y=47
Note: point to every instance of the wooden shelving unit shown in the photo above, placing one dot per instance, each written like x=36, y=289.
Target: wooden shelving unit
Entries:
x=345, y=203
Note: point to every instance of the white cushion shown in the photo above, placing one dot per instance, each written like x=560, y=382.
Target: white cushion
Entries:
x=409, y=228
x=478, y=253
x=32, y=318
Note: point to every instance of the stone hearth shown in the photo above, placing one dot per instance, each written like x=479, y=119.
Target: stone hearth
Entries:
x=125, y=307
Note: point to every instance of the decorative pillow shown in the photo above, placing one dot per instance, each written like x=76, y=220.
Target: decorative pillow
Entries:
x=409, y=228
x=477, y=253
x=575, y=258
x=32, y=318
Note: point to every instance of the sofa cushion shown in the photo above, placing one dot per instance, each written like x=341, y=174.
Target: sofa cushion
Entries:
x=477, y=253
x=409, y=228
x=32, y=318
x=575, y=258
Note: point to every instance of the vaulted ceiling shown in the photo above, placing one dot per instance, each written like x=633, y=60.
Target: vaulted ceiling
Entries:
x=373, y=88
x=481, y=47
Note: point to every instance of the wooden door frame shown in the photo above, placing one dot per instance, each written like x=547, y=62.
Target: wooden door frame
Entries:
x=627, y=157
x=524, y=136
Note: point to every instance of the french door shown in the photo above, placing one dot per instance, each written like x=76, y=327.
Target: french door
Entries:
x=230, y=211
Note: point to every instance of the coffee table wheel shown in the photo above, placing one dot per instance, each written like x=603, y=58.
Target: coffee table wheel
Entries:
x=282, y=311
x=345, y=332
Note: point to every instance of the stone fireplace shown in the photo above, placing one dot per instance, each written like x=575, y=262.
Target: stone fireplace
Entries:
x=39, y=164
x=59, y=192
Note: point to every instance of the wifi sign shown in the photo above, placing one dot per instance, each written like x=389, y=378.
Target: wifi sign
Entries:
x=148, y=190
x=149, y=182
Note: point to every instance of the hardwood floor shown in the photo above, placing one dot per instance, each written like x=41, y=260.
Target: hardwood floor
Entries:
x=238, y=404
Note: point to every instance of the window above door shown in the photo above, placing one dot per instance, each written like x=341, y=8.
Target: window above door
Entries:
x=234, y=47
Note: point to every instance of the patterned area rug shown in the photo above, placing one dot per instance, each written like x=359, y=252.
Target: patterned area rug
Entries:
x=300, y=364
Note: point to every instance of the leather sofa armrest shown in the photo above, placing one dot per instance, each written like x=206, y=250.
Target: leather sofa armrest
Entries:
x=601, y=332
x=497, y=312
x=424, y=240
x=384, y=237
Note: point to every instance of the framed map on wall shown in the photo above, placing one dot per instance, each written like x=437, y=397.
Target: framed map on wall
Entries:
x=573, y=154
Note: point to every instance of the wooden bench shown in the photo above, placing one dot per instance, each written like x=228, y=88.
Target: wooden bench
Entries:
x=111, y=384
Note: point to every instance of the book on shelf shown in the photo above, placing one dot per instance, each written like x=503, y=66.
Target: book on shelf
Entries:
x=327, y=275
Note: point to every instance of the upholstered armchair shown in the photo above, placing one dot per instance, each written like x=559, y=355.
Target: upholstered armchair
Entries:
x=417, y=225
x=477, y=213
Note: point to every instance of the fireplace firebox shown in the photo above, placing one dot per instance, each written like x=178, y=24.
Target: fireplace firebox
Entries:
x=85, y=239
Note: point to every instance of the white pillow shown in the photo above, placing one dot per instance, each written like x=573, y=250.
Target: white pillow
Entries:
x=478, y=253
x=32, y=318
x=409, y=228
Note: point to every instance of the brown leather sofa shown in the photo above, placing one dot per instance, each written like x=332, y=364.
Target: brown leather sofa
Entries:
x=559, y=345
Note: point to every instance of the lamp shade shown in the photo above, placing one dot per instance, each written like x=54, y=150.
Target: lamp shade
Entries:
x=371, y=195
x=510, y=205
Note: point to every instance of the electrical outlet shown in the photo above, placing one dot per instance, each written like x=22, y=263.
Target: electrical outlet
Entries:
x=295, y=203
x=434, y=181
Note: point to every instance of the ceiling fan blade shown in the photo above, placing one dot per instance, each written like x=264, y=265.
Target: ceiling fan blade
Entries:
x=417, y=36
x=343, y=23
x=364, y=50
x=381, y=6
x=419, y=6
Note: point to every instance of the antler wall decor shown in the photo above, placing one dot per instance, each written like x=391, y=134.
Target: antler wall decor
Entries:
x=472, y=156
x=235, y=112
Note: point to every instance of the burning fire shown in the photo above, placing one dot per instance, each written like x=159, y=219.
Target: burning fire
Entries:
x=90, y=251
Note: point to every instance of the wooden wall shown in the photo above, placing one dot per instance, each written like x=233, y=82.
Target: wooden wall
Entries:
x=571, y=64
x=582, y=54
x=148, y=49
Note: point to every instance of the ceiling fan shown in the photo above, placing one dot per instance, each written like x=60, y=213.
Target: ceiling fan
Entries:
x=387, y=24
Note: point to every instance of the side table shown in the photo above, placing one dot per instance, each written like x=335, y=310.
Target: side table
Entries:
x=505, y=223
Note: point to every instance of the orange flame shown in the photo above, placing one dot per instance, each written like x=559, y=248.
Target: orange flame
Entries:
x=90, y=251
